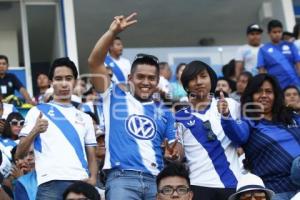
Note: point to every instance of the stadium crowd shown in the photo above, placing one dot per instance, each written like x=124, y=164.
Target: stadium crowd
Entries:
x=127, y=132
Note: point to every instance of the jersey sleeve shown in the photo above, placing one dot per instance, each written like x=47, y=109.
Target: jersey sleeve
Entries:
x=30, y=121
x=295, y=53
x=17, y=84
x=170, y=131
x=239, y=55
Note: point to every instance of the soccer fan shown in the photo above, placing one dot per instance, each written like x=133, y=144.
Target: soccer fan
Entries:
x=135, y=126
x=211, y=156
x=63, y=136
x=269, y=134
x=279, y=58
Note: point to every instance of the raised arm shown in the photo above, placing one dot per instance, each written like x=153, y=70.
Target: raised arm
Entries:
x=236, y=130
x=100, y=79
x=41, y=126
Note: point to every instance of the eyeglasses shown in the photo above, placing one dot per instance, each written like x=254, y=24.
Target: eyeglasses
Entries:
x=210, y=134
x=78, y=198
x=168, y=190
x=258, y=195
x=15, y=122
x=146, y=56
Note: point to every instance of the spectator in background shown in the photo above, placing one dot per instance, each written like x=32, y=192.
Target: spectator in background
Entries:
x=9, y=83
x=296, y=33
x=80, y=191
x=165, y=74
x=89, y=96
x=246, y=57
x=228, y=71
x=251, y=187
x=79, y=89
x=173, y=182
x=25, y=183
x=243, y=79
x=269, y=134
x=288, y=36
x=12, y=128
x=292, y=98
x=279, y=58
x=119, y=65
x=177, y=91
x=43, y=84
x=223, y=85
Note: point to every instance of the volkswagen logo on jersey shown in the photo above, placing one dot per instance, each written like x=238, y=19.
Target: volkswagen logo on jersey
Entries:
x=141, y=127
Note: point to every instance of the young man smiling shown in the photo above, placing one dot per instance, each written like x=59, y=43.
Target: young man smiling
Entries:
x=135, y=125
x=63, y=137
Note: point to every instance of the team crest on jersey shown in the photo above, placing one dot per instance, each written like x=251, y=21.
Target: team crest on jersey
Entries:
x=270, y=50
x=112, y=64
x=141, y=127
x=10, y=84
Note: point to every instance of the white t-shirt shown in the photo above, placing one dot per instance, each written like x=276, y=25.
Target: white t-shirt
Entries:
x=7, y=109
x=248, y=55
x=164, y=84
x=58, y=158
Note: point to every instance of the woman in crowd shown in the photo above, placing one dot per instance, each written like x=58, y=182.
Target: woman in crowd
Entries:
x=211, y=156
x=268, y=132
x=176, y=87
x=10, y=136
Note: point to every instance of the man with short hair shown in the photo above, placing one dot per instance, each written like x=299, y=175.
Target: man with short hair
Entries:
x=9, y=82
x=246, y=57
x=135, y=125
x=173, y=182
x=43, y=84
x=119, y=65
x=279, y=58
x=81, y=191
x=63, y=136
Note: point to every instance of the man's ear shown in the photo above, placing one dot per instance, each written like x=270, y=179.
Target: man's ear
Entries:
x=129, y=77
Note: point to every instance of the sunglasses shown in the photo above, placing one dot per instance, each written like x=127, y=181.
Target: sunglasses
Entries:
x=15, y=122
x=210, y=134
x=256, y=195
x=146, y=56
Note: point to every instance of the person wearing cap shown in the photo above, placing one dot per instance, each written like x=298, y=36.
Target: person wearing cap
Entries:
x=246, y=57
x=279, y=58
x=251, y=187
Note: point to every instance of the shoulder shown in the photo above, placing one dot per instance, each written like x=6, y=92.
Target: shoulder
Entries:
x=10, y=75
x=182, y=112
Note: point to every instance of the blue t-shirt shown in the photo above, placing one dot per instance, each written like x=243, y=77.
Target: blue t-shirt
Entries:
x=269, y=147
x=279, y=60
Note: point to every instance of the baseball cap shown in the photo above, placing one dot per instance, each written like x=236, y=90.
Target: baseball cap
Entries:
x=254, y=27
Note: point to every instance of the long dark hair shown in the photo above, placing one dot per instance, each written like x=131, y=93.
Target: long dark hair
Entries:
x=7, y=128
x=280, y=114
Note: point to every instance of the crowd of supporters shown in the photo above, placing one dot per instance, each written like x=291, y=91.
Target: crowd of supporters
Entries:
x=128, y=132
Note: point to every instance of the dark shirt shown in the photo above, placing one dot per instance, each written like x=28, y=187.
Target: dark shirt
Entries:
x=8, y=84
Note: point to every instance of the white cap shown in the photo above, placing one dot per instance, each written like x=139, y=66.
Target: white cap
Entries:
x=250, y=182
